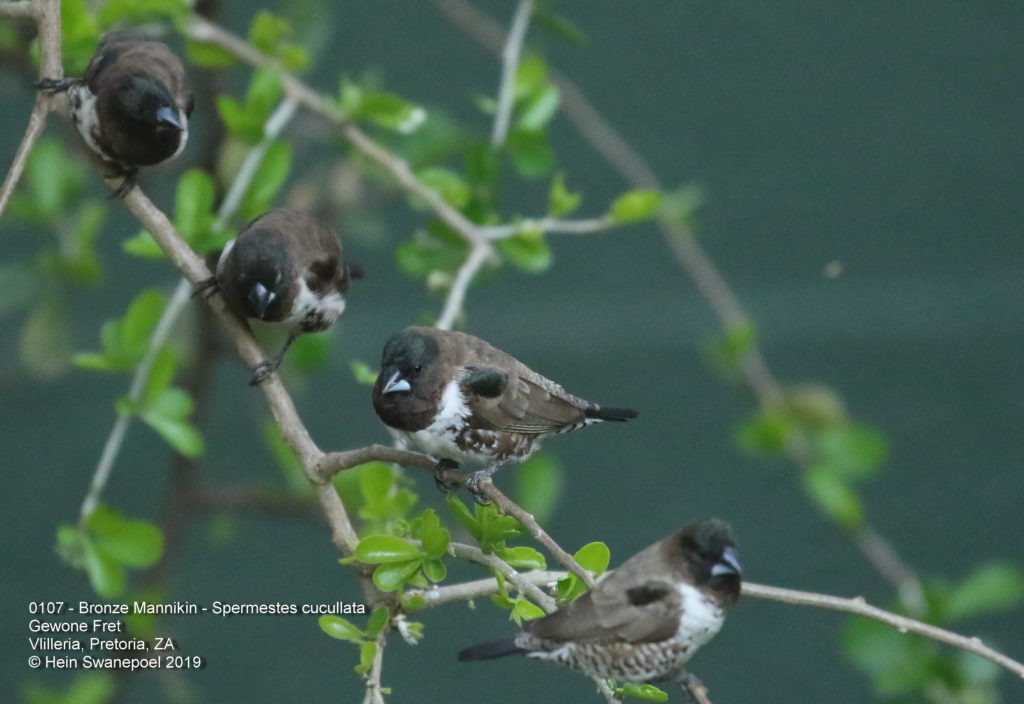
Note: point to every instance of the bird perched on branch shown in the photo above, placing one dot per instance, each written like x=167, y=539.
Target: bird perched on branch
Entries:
x=460, y=400
x=643, y=621
x=132, y=106
x=284, y=268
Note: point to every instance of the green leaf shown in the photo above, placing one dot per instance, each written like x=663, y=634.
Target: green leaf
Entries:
x=435, y=570
x=448, y=184
x=897, y=663
x=539, y=483
x=765, y=434
x=367, y=654
x=531, y=156
x=194, y=204
x=527, y=610
x=363, y=373
x=539, y=109
x=129, y=542
x=86, y=688
x=208, y=55
x=528, y=250
x=816, y=406
x=337, y=627
x=386, y=110
x=991, y=588
x=728, y=351
x=559, y=26
x=378, y=621
x=268, y=179
x=435, y=543
x=531, y=77
x=106, y=575
x=834, y=497
x=636, y=205
x=143, y=246
x=79, y=35
x=594, y=557
x=463, y=515
x=376, y=480
x=378, y=549
x=139, y=322
x=523, y=557
x=437, y=250
x=240, y=123
x=267, y=31
x=310, y=351
x=160, y=375
x=647, y=692
x=166, y=414
x=392, y=575
x=495, y=528
x=561, y=201
x=135, y=12
x=853, y=451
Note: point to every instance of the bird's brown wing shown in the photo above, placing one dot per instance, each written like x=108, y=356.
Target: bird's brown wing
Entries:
x=614, y=612
x=505, y=401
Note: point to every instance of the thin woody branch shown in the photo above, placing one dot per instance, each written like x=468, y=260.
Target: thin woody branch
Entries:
x=550, y=226
x=202, y=30
x=525, y=586
x=903, y=624
x=511, y=508
x=509, y=65
x=374, y=694
x=334, y=462
x=21, y=8
x=463, y=278
x=47, y=18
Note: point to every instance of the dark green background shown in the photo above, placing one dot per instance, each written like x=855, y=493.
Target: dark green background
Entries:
x=884, y=135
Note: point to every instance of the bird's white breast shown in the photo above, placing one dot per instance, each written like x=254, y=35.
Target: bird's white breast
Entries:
x=328, y=307
x=439, y=438
x=702, y=618
x=83, y=112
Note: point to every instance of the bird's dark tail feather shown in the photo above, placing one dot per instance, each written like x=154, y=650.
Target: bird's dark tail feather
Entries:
x=494, y=649
x=614, y=414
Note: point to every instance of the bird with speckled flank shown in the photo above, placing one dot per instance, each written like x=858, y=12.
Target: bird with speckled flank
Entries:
x=132, y=106
x=462, y=401
x=284, y=268
x=643, y=621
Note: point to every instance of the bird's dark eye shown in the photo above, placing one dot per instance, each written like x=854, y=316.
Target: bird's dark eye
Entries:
x=418, y=368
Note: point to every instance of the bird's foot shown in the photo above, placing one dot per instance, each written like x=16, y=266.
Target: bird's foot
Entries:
x=264, y=370
x=206, y=288
x=475, y=486
x=52, y=86
x=444, y=484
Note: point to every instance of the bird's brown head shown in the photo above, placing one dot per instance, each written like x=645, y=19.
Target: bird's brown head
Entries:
x=708, y=551
x=410, y=382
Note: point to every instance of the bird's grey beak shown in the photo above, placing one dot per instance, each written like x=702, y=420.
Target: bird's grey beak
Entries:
x=729, y=564
x=261, y=299
x=396, y=383
x=169, y=116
